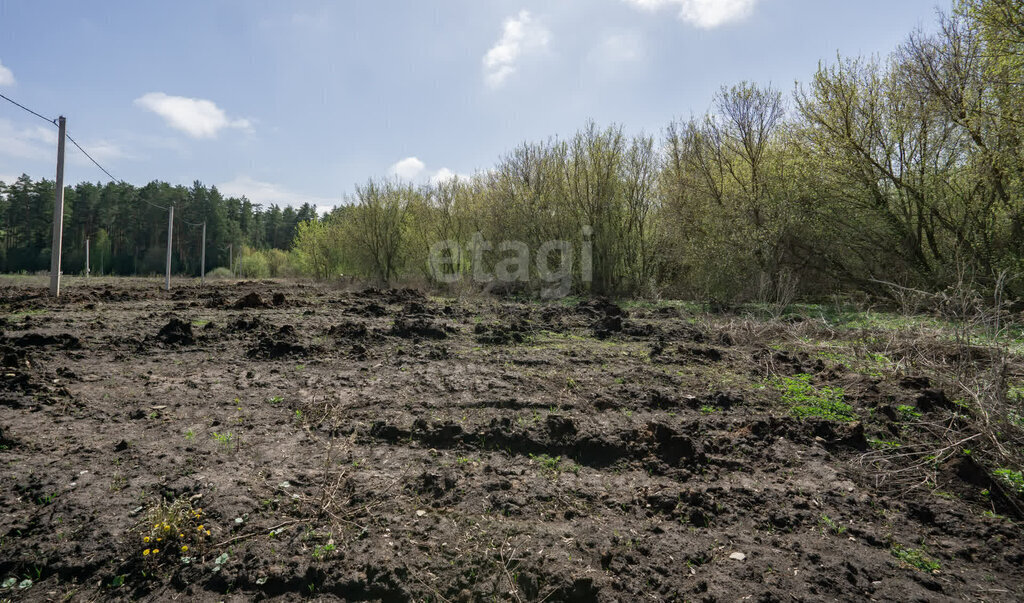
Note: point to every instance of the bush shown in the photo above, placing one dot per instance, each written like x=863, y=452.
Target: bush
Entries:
x=219, y=273
x=281, y=263
x=253, y=265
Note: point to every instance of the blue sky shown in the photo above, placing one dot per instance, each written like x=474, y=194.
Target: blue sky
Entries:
x=294, y=101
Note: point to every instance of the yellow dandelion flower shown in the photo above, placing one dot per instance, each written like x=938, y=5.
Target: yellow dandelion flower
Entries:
x=200, y=528
x=207, y=532
x=145, y=539
x=184, y=548
x=167, y=528
x=156, y=526
x=159, y=539
x=155, y=551
x=145, y=552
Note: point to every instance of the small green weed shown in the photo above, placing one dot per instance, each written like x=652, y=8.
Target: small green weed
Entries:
x=1012, y=479
x=915, y=558
x=832, y=525
x=547, y=463
x=224, y=439
x=878, y=444
x=322, y=551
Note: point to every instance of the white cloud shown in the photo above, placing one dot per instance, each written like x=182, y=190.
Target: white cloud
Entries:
x=266, y=193
x=412, y=169
x=6, y=76
x=103, y=151
x=706, y=14
x=39, y=143
x=35, y=142
x=442, y=175
x=445, y=175
x=521, y=36
x=408, y=169
x=199, y=118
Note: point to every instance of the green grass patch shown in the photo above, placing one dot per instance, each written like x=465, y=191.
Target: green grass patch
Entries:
x=915, y=558
x=547, y=463
x=807, y=401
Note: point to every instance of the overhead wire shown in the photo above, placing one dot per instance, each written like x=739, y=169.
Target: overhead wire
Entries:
x=78, y=146
x=90, y=157
x=42, y=117
x=96, y=163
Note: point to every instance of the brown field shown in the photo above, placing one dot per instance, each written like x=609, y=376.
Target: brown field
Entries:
x=386, y=445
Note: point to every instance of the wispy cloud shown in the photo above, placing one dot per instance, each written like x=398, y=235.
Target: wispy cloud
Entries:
x=617, y=52
x=706, y=14
x=521, y=35
x=197, y=117
x=266, y=193
x=38, y=143
x=6, y=76
x=104, y=151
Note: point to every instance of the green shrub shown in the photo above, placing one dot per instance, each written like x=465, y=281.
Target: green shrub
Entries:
x=252, y=265
x=218, y=273
x=281, y=263
x=807, y=401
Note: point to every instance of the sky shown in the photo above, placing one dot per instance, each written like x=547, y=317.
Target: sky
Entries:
x=293, y=102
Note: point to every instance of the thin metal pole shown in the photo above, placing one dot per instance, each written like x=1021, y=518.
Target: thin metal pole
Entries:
x=202, y=260
x=86, y=257
x=170, y=232
x=58, y=214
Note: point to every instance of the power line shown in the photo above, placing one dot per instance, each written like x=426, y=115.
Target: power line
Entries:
x=46, y=119
x=155, y=205
x=84, y=152
x=103, y=169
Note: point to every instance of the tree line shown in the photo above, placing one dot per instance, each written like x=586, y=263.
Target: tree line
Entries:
x=127, y=226
x=908, y=170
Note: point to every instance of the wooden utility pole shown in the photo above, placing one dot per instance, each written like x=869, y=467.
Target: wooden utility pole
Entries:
x=202, y=258
x=86, y=257
x=58, y=214
x=170, y=232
